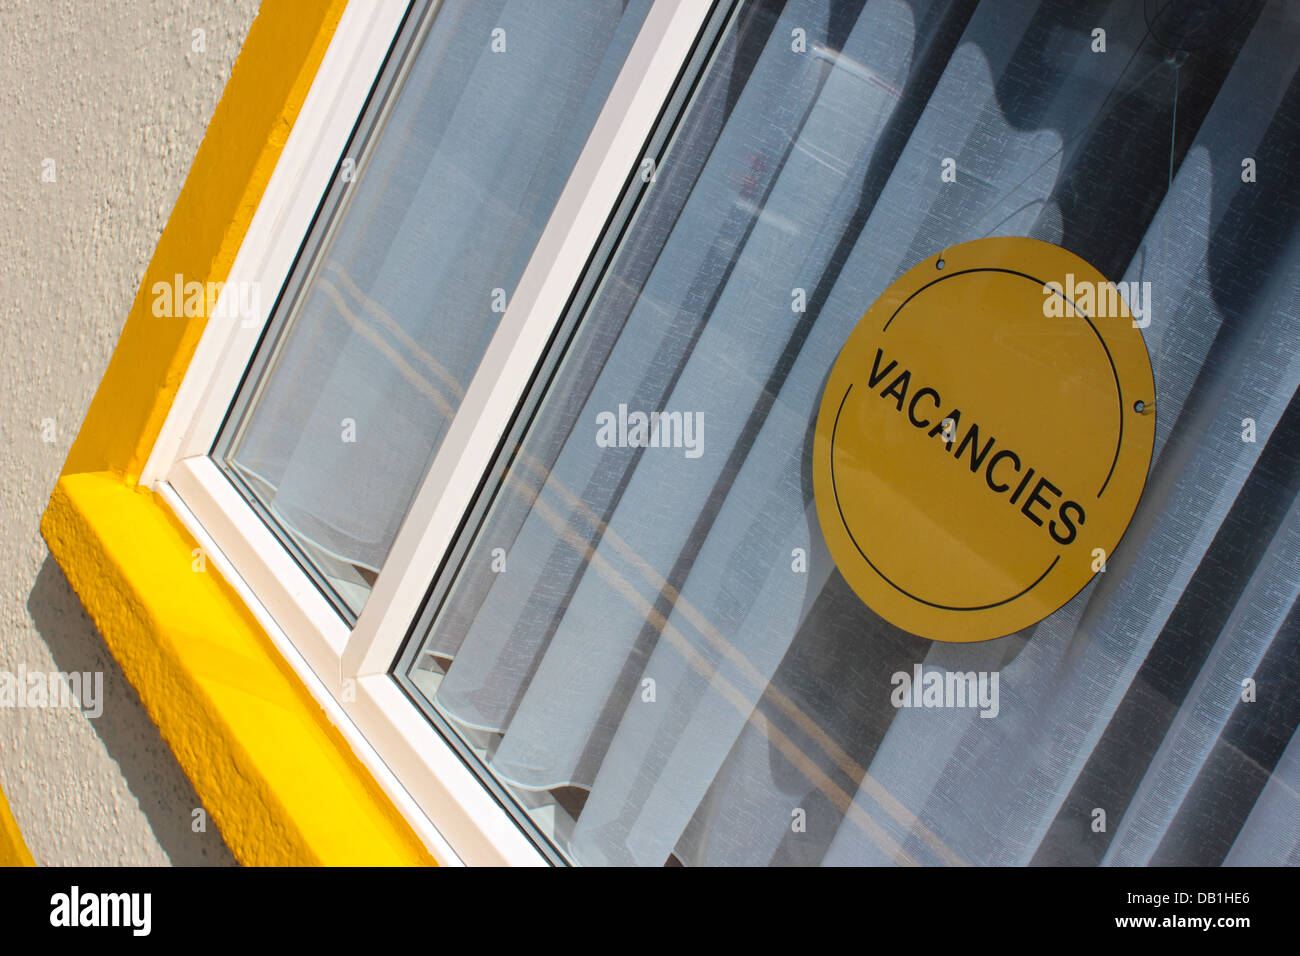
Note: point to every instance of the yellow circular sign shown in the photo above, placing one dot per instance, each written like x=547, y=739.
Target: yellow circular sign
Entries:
x=984, y=437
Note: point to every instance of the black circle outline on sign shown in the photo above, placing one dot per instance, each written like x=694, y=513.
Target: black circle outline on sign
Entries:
x=1119, y=391
x=884, y=577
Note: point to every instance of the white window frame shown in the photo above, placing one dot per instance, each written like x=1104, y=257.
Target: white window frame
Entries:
x=346, y=670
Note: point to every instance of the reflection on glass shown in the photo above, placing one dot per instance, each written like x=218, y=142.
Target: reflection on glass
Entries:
x=407, y=291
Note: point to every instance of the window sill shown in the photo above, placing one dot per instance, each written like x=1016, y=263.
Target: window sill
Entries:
x=281, y=784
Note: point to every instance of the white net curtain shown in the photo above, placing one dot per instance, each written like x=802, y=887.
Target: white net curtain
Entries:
x=650, y=656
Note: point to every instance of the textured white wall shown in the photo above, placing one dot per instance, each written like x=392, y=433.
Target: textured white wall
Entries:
x=116, y=95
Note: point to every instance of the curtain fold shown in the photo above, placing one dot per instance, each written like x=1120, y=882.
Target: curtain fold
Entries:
x=1258, y=621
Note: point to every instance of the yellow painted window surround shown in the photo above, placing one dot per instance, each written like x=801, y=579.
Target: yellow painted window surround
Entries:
x=13, y=851
x=278, y=778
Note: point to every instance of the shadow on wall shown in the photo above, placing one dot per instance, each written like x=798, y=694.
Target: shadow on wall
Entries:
x=164, y=793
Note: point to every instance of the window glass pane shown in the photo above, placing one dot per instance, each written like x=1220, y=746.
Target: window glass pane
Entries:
x=631, y=641
x=397, y=308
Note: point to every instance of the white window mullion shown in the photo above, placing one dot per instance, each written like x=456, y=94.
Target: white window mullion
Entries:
x=611, y=153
